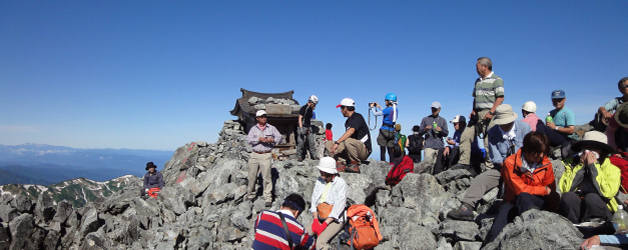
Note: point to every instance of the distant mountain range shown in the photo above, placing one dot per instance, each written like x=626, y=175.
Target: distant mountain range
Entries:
x=78, y=192
x=47, y=164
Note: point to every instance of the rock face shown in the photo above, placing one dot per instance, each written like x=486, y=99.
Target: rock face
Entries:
x=203, y=207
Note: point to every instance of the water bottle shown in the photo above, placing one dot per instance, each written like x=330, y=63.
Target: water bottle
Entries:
x=620, y=220
x=434, y=125
x=549, y=118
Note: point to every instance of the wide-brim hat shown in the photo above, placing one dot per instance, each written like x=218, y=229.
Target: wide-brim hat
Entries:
x=621, y=115
x=504, y=115
x=150, y=165
x=593, y=139
x=327, y=165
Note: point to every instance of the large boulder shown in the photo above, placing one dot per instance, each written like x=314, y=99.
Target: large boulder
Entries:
x=536, y=229
x=24, y=233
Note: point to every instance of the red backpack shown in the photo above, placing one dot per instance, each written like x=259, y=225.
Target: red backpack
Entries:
x=396, y=173
x=621, y=161
x=363, y=227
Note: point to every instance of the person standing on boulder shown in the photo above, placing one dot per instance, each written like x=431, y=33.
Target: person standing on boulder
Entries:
x=328, y=203
x=152, y=179
x=488, y=94
x=386, y=138
x=354, y=146
x=304, y=131
x=262, y=137
x=273, y=227
x=434, y=128
x=504, y=139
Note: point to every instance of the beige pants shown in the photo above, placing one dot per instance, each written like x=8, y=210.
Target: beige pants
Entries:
x=260, y=163
x=349, y=150
x=467, y=138
x=430, y=155
x=322, y=241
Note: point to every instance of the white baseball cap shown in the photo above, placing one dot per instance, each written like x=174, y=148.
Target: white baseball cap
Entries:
x=327, y=165
x=436, y=105
x=260, y=113
x=347, y=102
x=529, y=106
x=456, y=119
x=313, y=99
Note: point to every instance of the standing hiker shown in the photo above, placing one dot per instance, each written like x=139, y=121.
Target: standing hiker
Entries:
x=488, y=94
x=152, y=179
x=434, y=128
x=262, y=137
x=386, y=137
x=304, y=131
x=354, y=146
x=328, y=203
x=415, y=144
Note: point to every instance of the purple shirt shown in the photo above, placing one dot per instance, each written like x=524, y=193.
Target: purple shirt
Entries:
x=256, y=132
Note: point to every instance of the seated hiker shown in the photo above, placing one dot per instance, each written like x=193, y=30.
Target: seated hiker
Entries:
x=528, y=180
x=273, y=227
x=401, y=139
x=152, y=179
x=555, y=138
x=328, y=203
x=613, y=240
x=449, y=155
x=415, y=144
x=617, y=130
x=590, y=181
x=605, y=113
x=505, y=139
x=434, y=128
x=401, y=165
x=386, y=137
x=354, y=146
x=562, y=119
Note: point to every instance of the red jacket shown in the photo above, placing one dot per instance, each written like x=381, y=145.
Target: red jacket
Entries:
x=517, y=182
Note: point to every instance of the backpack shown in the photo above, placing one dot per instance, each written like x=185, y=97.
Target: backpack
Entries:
x=416, y=144
x=396, y=173
x=363, y=227
x=622, y=163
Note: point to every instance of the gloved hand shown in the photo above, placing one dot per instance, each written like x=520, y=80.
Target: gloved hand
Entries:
x=317, y=227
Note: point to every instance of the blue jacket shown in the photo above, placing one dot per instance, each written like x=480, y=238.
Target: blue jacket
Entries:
x=498, y=147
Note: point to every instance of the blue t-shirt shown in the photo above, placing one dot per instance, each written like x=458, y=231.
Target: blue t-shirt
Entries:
x=390, y=117
x=564, y=118
x=456, y=138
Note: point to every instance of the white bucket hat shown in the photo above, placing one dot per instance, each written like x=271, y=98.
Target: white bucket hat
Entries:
x=327, y=165
x=504, y=115
x=529, y=106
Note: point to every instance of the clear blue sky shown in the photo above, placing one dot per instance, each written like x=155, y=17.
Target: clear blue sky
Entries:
x=158, y=74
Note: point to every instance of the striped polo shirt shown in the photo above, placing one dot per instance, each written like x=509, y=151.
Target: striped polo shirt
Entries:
x=270, y=234
x=487, y=90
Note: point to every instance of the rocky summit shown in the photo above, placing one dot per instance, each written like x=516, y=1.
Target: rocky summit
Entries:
x=202, y=206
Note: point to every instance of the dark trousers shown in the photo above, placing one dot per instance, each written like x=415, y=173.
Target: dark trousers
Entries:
x=382, y=153
x=578, y=209
x=508, y=211
x=555, y=139
x=445, y=162
x=416, y=157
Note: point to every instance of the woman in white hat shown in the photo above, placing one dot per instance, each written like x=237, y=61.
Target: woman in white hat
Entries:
x=328, y=203
x=590, y=181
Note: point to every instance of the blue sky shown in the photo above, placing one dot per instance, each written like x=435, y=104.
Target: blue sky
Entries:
x=157, y=74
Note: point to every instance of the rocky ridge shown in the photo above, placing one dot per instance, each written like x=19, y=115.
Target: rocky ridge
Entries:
x=203, y=207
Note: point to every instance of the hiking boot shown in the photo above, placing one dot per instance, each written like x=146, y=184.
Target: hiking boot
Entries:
x=268, y=203
x=464, y=212
x=250, y=197
x=340, y=167
x=354, y=167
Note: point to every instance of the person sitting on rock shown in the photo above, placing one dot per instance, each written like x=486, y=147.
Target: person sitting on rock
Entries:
x=504, y=139
x=528, y=179
x=262, y=137
x=449, y=155
x=590, y=181
x=401, y=165
x=415, y=144
x=607, y=240
x=328, y=203
x=272, y=227
x=605, y=113
x=354, y=146
x=386, y=137
x=152, y=179
x=304, y=131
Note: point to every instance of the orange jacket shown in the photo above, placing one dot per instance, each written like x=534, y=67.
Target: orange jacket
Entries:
x=517, y=182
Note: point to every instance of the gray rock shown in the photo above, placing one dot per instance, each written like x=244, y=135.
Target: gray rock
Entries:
x=7, y=213
x=24, y=234
x=5, y=237
x=423, y=168
x=90, y=222
x=459, y=230
x=536, y=229
x=416, y=237
x=450, y=175
x=51, y=241
x=468, y=245
x=64, y=210
x=45, y=207
x=22, y=203
x=443, y=244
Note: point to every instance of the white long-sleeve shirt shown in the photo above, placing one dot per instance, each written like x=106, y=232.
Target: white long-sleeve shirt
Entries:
x=336, y=196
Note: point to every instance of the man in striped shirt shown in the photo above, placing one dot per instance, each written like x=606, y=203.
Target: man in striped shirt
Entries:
x=270, y=232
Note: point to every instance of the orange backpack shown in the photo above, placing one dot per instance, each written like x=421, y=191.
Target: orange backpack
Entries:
x=363, y=227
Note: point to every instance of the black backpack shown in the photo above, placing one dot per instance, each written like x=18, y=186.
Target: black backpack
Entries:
x=416, y=144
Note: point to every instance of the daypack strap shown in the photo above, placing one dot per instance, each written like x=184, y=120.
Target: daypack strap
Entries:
x=285, y=227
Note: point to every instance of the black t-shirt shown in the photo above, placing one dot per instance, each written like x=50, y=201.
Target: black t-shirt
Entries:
x=306, y=112
x=357, y=122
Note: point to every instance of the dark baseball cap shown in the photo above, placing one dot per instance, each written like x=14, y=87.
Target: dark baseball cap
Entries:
x=558, y=94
